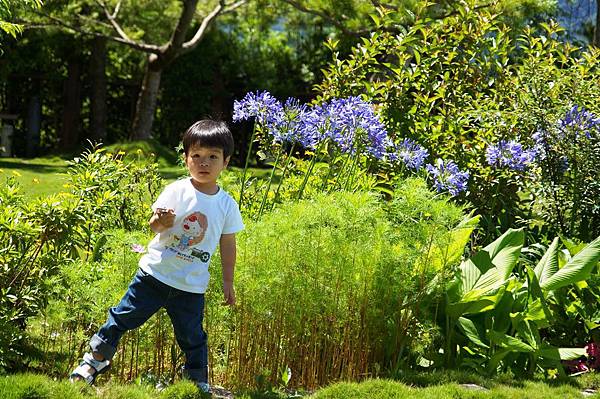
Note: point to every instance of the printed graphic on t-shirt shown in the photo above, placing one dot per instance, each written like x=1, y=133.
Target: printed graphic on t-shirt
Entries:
x=191, y=232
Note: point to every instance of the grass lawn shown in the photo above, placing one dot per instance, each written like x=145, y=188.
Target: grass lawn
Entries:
x=439, y=386
x=40, y=177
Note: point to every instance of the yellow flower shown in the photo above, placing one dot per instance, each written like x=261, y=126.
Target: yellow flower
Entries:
x=66, y=185
x=14, y=172
x=121, y=153
x=139, y=151
x=36, y=180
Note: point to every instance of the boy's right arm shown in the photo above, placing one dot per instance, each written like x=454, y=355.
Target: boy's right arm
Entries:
x=162, y=219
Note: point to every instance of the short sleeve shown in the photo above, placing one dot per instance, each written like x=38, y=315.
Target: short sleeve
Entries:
x=167, y=199
x=233, y=220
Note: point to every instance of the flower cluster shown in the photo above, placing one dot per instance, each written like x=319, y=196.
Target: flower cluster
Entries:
x=510, y=154
x=260, y=105
x=447, y=177
x=580, y=120
x=351, y=123
x=410, y=153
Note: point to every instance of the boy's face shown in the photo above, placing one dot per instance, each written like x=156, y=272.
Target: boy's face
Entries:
x=205, y=164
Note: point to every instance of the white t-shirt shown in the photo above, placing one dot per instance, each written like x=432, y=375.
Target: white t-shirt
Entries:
x=179, y=256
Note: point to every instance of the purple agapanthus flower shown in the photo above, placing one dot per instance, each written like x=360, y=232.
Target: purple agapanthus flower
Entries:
x=447, y=177
x=288, y=128
x=581, y=120
x=262, y=106
x=350, y=123
x=509, y=154
x=410, y=153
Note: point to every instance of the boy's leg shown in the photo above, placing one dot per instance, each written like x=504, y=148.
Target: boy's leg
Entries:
x=144, y=297
x=186, y=311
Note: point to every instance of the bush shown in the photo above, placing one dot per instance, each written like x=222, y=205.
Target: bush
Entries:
x=461, y=83
x=39, y=237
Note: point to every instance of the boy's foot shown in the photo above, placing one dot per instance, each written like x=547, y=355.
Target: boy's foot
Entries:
x=89, y=369
x=203, y=387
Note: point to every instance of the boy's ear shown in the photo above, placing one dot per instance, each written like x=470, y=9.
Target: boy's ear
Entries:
x=226, y=162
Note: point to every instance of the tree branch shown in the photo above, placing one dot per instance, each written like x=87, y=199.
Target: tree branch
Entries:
x=231, y=7
x=206, y=21
x=147, y=48
x=113, y=21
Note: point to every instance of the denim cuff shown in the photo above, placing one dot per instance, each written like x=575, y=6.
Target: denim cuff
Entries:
x=196, y=375
x=97, y=344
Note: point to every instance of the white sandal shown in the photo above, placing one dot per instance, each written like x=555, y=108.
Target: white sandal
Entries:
x=81, y=372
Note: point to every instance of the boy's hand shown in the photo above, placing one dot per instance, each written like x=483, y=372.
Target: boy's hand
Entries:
x=162, y=219
x=166, y=217
x=228, y=293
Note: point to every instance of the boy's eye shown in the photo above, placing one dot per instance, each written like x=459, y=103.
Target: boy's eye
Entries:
x=213, y=157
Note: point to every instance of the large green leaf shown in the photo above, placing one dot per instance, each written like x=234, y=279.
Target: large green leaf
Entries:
x=548, y=265
x=505, y=251
x=562, y=353
x=458, y=238
x=488, y=269
x=511, y=343
x=473, y=306
x=578, y=268
x=470, y=330
x=535, y=292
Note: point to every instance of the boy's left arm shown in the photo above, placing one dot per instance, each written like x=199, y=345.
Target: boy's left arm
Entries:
x=228, y=253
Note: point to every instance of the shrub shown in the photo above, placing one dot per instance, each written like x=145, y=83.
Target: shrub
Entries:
x=39, y=237
x=458, y=84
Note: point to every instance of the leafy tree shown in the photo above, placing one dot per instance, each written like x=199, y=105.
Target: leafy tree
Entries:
x=144, y=27
x=7, y=8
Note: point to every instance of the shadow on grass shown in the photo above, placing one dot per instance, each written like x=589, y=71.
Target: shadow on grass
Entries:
x=33, y=167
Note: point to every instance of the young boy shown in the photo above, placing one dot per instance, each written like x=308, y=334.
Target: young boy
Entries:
x=190, y=217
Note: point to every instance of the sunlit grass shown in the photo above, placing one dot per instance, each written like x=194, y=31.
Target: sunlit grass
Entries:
x=40, y=177
x=23, y=386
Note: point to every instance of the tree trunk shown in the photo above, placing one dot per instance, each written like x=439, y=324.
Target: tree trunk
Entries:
x=34, y=123
x=597, y=30
x=69, y=136
x=98, y=106
x=146, y=103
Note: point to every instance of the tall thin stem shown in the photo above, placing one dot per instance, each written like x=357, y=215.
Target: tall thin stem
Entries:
x=246, y=166
x=340, y=172
x=350, y=179
x=310, y=168
x=287, y=162
x=264, y=200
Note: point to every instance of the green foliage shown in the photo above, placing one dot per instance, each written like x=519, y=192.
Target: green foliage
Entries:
x=495, y=314
x=334, y=272
x=460, y=83
x=7, y=8
x=104, y=183
x=41, y=236
x=392, y=389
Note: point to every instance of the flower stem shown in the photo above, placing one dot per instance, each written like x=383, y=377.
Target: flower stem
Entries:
x=246, y=167
x=287, y=162
x=264, y=200
x=310, y=168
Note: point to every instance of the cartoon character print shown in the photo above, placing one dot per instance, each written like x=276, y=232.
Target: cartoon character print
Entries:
x=194, y=227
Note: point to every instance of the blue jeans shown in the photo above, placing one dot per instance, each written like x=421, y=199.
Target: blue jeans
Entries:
x=144, y=297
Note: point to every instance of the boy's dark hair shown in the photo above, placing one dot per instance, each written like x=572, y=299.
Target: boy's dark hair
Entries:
x=209, y=133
